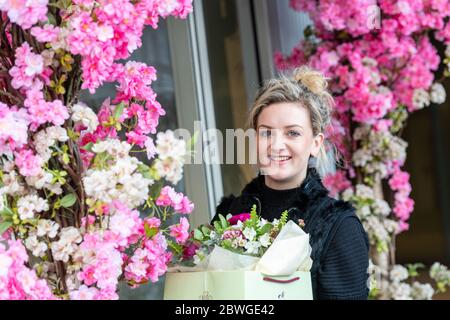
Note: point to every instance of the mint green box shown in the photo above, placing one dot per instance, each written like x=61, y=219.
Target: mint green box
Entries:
x=236, y=285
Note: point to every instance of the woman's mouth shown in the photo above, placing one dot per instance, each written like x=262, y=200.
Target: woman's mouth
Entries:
x=280, y=159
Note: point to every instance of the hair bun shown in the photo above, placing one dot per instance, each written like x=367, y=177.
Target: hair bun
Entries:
x=313, y=80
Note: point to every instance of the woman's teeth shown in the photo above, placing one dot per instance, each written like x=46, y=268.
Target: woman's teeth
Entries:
x=279, y=158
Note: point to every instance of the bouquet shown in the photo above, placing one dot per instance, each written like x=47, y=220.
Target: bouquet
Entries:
x=84, y=195
x=246, y=241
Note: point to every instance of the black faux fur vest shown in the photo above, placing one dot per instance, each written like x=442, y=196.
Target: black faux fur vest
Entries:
x=322, y=214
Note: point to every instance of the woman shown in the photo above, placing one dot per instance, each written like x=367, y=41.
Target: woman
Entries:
x=289, y=116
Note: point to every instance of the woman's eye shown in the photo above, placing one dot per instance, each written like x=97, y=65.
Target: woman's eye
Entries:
x=294, y=133
x=264, y=133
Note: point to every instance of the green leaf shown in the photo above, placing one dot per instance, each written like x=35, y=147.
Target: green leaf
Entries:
x=206, y=231
x=150, y=232
x=266, y=228
x=223, y=221
x=118, y=111
x=217, y=226
x=198, y=235
x=6, y=212
x=178, y=249
x=4, y=226
x=88, y=146
x=68, y=200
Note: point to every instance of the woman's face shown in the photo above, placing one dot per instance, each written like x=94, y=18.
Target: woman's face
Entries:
x=285, y=142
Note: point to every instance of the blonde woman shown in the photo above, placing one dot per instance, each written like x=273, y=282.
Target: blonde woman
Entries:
x=289, y=115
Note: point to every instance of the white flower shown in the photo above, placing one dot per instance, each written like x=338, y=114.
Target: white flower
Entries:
x=252, y=247
x=447, y=51
x=420, y=98
x=169, y=168
x=38, y=248
x=57, y=133
x=70, y=235
x=381, y=207
x=82, y=113
x=12, y=184
x=265, y=240
x=167, y=145
x=421, y=291
x=42, y=180
x=437, y=94
x=365, y=192
x=400, y=291
x=47, y=227
x=249, y=233
x=398, y=273
x=28, y=205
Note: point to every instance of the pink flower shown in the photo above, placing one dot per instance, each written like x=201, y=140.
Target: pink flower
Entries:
x=25, y=13
x=189, y=251
x=28, y=163
x=239, y=217
x=47, y=33
x=180, y=231
x=169, y=197
x=13, y=127
x=336, y=182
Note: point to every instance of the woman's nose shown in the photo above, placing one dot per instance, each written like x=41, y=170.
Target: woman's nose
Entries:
x=278, y=142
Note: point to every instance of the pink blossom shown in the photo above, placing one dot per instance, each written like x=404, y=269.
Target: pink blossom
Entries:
x=25, y=13
x=13, y=127
x=336, y=182
x=239, y=217
x=28, y=163
x=169, y=197
x=180, y=231
x=47, y=33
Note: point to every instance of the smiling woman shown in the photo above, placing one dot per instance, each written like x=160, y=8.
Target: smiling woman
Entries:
x=290, y=115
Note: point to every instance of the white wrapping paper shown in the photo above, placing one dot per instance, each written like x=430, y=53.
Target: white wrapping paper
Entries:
x=289, y=252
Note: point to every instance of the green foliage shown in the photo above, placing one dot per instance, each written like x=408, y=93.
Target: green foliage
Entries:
x=68, y=200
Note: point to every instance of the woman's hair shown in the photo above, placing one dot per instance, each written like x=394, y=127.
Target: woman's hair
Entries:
x=307, y=87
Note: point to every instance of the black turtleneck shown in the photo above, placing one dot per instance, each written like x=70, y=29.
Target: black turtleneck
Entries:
x=274, y=202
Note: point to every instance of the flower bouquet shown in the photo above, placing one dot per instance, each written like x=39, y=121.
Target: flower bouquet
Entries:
x=246, y=251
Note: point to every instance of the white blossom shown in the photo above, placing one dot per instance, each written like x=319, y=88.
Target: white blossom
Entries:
x=421, y=291
x=381, y=207
x=363, y=191
x=252, y=247
x=421, y=98
x=400, y=291
x=66, y=245
x=28, y=205
x=168, y=146
x=82, y=113
x=398, y=273
x=437, y=94
x=47, y=228
x=249, y=233
x=38, y=248
x=265, y=240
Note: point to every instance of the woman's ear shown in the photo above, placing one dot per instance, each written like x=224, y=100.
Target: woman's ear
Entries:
x=317, y=143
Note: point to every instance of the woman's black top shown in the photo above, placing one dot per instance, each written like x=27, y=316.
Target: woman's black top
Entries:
x=340, y=247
